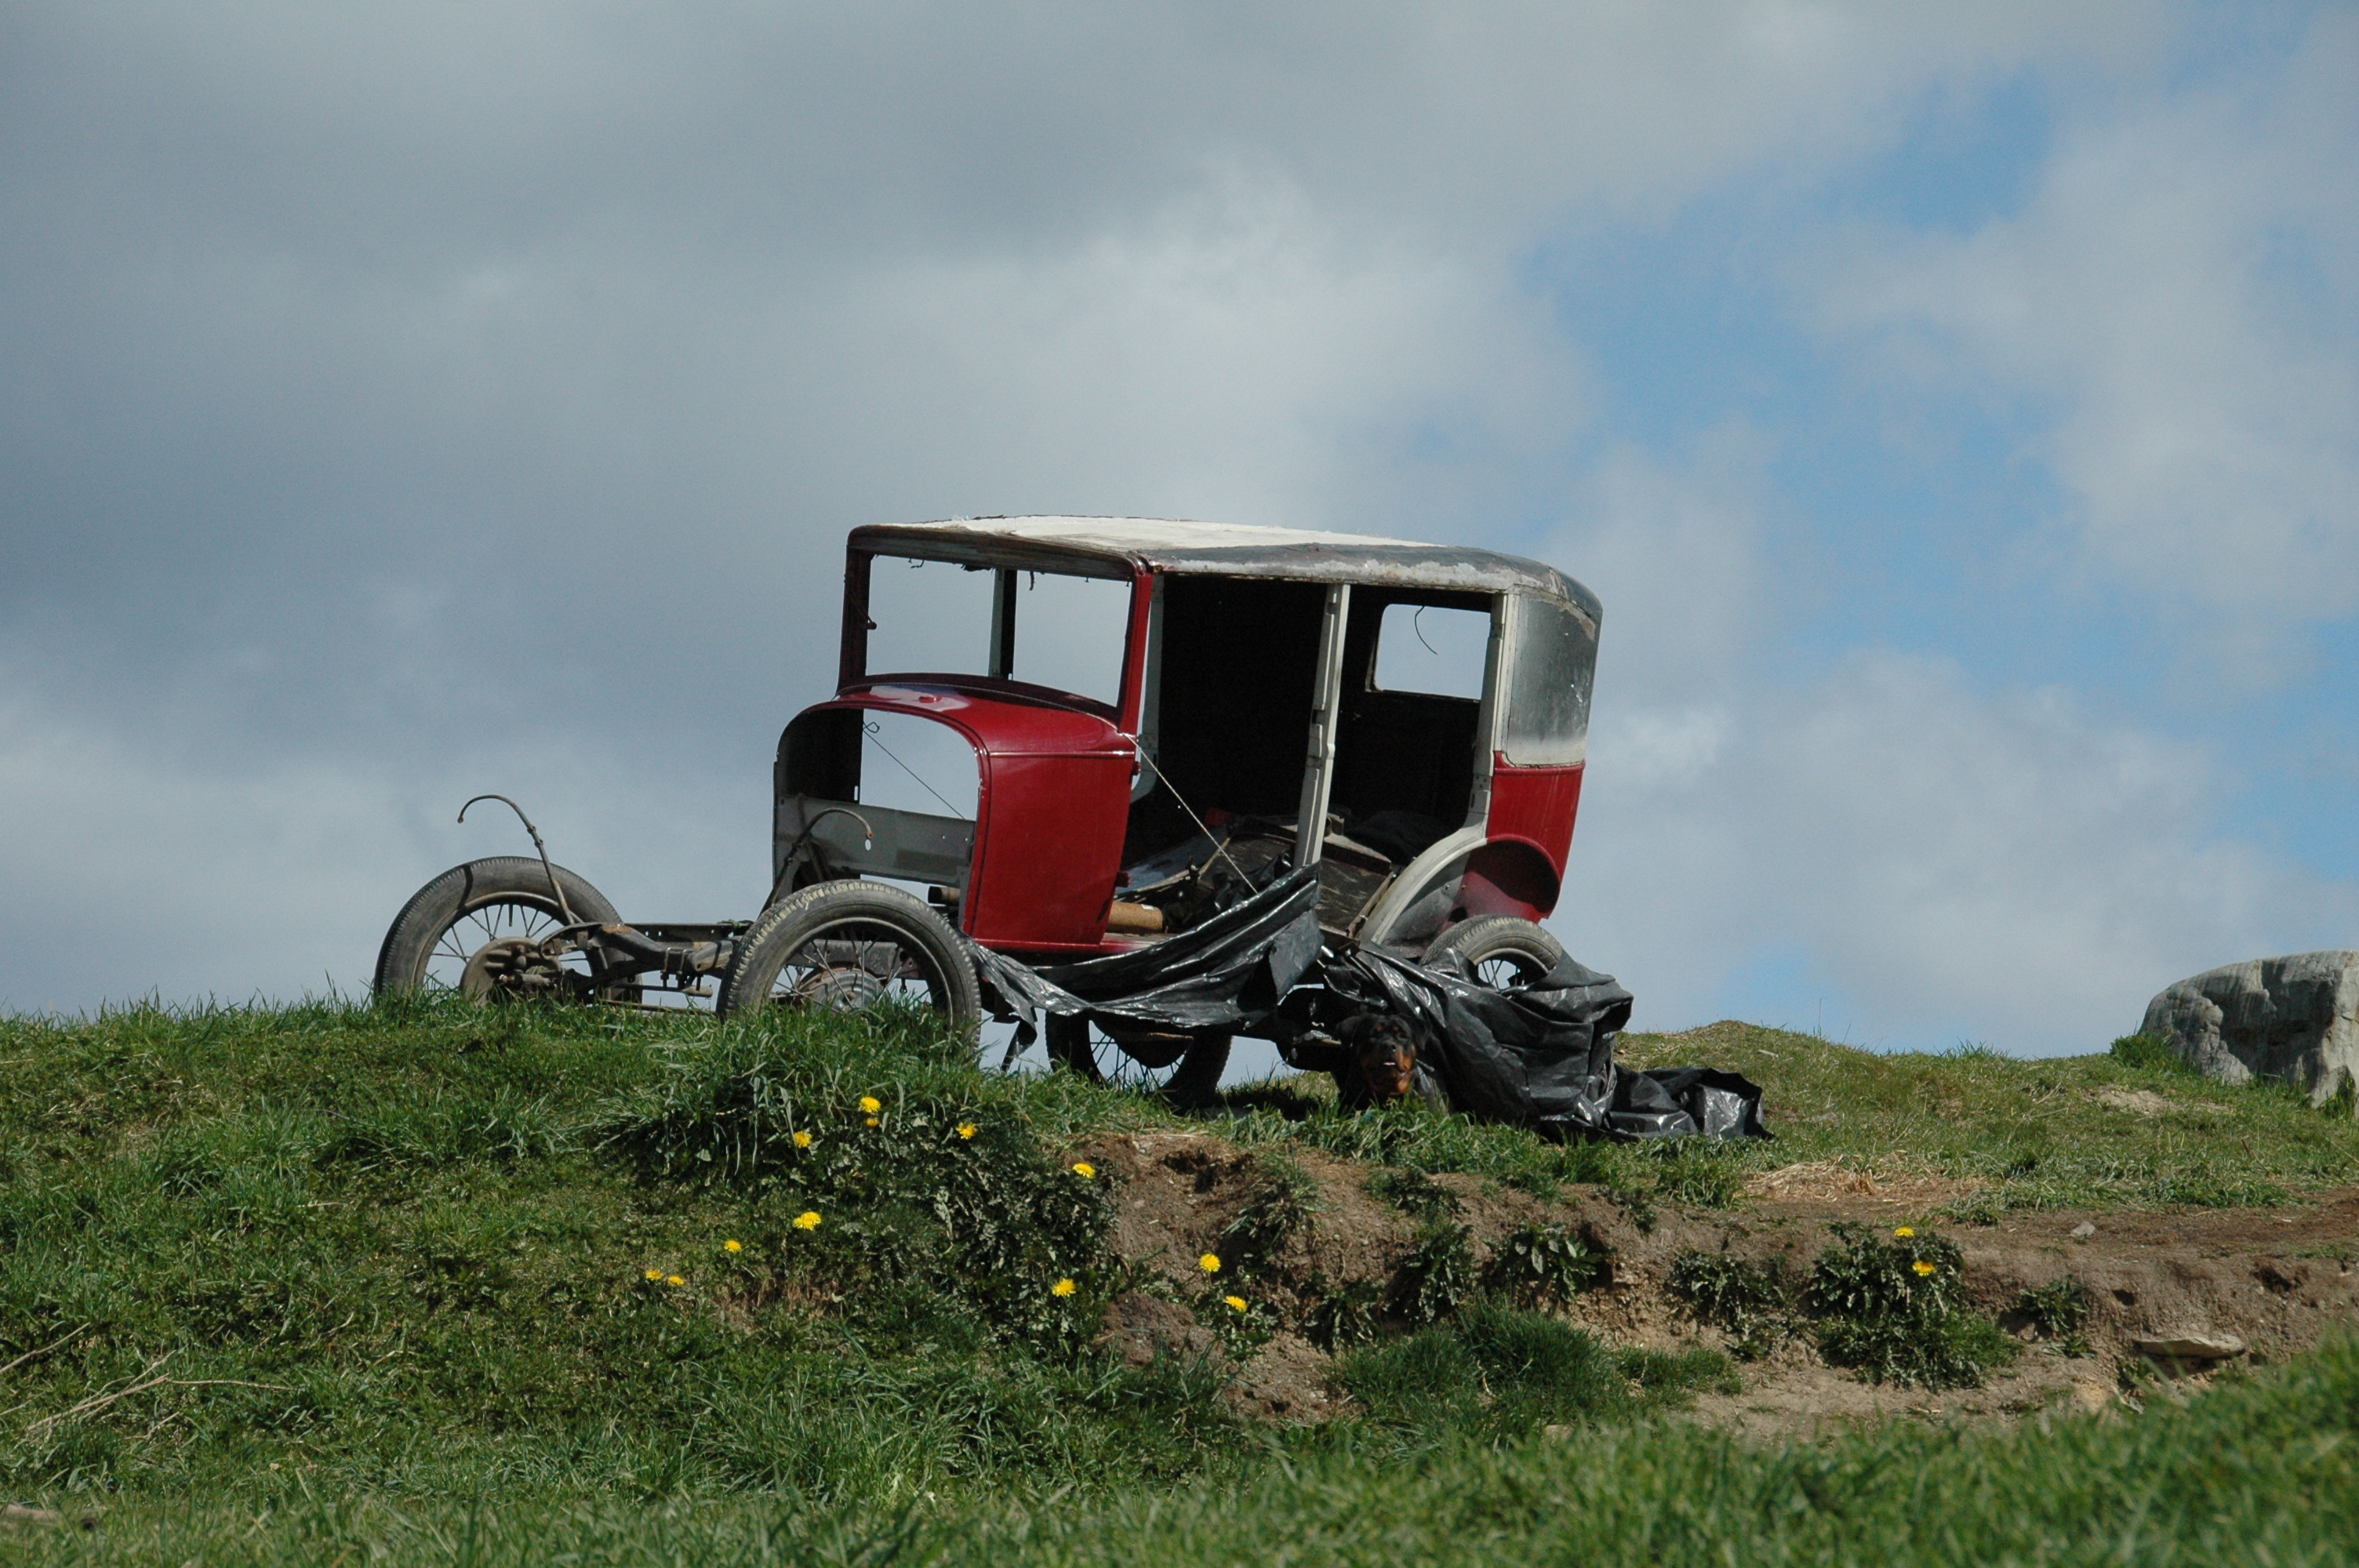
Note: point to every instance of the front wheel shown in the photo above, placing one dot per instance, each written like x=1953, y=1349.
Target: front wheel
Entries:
x=842, y=945
x=1498, y=951
x=476, y=930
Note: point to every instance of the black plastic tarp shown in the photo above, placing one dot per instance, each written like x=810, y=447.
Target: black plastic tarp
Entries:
x=1540, y=1056
x=1227, y=973
x=1669, y=1102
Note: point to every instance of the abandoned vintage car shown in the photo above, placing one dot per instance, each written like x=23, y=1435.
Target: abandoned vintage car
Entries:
x=1058, y=738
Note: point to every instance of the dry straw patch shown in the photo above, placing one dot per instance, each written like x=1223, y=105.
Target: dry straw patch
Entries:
x=2138, y=1102
x=1839, y=1180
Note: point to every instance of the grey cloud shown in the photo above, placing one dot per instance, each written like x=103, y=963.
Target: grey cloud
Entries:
x=1953, y=864
x=2177, y=291
x=398, y=403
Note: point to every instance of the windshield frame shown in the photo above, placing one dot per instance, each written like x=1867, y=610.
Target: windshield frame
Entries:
x=852, y=659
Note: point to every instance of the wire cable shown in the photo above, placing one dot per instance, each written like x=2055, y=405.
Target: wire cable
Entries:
x=870, y=730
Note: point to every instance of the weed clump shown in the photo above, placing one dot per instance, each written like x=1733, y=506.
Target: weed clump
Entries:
x=1892, y=1308
x=1984, y=1207
x=1540, y=1263
x=1438, y=1274
x=928, y=1206
x=1281, y=1207
x=1895, y=1309
x=1754, y=1301
x=1502, y=1372
x=2059, y=1311
x=1415, y=1193
x=1337, y=1317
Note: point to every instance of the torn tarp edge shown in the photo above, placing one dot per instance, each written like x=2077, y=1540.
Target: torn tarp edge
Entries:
x=1539, y=1056
x=1226, y=974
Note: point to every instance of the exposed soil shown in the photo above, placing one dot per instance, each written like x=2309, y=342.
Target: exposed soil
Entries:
x=2273, y=1280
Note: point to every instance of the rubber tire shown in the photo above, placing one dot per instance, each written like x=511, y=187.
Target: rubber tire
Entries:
x=793, y=920
x=1195, y=1081
x=1496, y=937
x=433, y=909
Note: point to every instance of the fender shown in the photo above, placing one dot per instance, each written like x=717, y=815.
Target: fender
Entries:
x=1508, y=876
x=1478, y=875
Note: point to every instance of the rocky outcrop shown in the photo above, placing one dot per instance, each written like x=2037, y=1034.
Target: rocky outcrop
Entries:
x=2295, y=1018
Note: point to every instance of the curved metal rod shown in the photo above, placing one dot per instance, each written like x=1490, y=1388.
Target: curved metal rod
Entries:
x=786, y=866
x=554, y=886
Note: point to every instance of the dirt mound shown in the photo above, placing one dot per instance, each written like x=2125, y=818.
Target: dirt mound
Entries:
x=2274, y=1280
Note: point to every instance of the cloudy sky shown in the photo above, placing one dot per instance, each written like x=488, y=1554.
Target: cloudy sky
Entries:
x=1957, y=410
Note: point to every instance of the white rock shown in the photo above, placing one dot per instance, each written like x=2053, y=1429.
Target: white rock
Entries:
x=2295, y=1018
x=2189, y=1347
x=2083, y=1231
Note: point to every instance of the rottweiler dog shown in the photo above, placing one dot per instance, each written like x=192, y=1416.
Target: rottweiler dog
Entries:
x=1384, y=1066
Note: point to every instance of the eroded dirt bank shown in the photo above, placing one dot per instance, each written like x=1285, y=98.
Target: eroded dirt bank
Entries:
x=2275, y=1280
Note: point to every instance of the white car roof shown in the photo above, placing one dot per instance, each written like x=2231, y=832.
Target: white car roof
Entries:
x=1123, y=545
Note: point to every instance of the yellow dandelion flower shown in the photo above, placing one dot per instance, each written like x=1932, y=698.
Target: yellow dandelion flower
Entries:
x=802, y=1140
x=653, y=1275
x=1063, y=1287
x=1235, y=1303
x=875, y=1120
x=966, y=1130
x=1084, y=1170
x=674, y=1280
x=871, y=1104
x=807, y=1221
x=1210, y=1262
x=1906, y=1230
x=1922, y=1267
x=733, y=1247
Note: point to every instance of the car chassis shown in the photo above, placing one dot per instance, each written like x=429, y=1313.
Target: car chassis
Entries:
x=1246, y=734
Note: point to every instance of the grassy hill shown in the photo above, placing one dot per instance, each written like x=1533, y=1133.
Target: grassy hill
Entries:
x=431, y=1283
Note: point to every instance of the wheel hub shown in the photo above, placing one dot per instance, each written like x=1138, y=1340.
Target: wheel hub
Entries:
x=839, y=990
x=512, y=969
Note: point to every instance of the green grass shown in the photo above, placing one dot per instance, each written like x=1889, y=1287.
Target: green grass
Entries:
x=2039, y=1133
x=2263, y=1472
x=436, y=1251
x=2034, y=1134
x=291, y=1283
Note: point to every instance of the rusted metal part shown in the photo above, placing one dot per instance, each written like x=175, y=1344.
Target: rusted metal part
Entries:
x=541, y=848
x=668, y=952
x=622, y=958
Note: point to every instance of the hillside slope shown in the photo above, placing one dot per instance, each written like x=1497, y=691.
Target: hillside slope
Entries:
x=375, y=1278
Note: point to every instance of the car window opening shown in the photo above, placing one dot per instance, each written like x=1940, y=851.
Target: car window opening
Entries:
x=1234, y=668
x=1046, y=628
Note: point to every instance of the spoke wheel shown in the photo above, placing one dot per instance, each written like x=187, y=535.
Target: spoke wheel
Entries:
x=842, y=946
x=1184, y=1068
x=1496, y=951
x=477, y=931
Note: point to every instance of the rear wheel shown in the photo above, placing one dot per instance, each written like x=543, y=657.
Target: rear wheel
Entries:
x=1498, y=951
x=1185, y=1068
x=477, y=930
x=847, y=944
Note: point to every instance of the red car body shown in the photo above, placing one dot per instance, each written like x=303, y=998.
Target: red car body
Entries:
x=1245, y=701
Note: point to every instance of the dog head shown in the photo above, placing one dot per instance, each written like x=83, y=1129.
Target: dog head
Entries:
x=1384, y=1050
